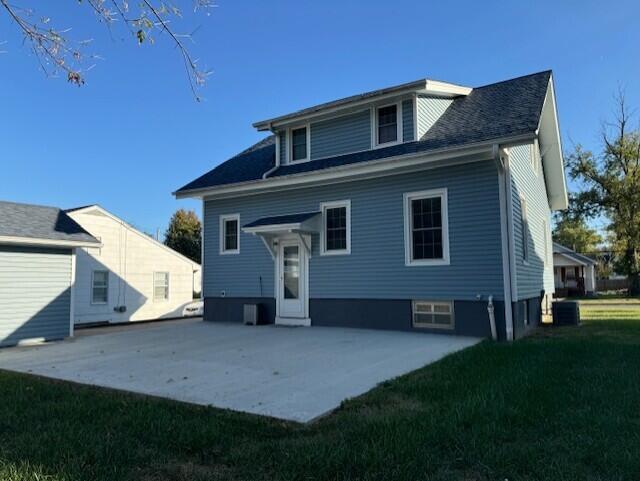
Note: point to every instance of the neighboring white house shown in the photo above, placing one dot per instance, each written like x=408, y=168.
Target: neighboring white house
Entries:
x=132, y=277
x=574, y=274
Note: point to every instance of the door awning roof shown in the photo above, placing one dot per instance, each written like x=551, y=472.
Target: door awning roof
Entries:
x=305, y=222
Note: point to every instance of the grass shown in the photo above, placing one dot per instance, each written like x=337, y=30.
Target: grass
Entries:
x=563, y=404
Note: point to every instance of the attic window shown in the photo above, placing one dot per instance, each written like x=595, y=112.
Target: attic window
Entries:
x=387, y=124
x=299, y=144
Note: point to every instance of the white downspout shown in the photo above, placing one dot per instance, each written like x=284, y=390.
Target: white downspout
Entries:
x=277, y=164
x=506, y=223
x=492, y=318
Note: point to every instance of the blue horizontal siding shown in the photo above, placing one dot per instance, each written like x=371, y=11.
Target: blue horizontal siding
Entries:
x=430, y=109
x=341, y=135
x=282, y=139
x=407, y=120
x=375, y=269
x=532, y=276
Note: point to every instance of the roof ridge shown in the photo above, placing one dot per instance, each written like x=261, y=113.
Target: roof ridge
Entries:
x=26, y=204
x=549, y=71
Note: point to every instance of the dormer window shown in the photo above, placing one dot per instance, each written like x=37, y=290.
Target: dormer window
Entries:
x=387, y=124
x=299, y=144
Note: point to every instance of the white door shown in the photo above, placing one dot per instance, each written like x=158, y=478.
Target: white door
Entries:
x=292, y=283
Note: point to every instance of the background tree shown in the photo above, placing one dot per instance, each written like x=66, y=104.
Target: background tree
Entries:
x=573, y=232
x=183, y=234
x=56, y=51
x=610, y=186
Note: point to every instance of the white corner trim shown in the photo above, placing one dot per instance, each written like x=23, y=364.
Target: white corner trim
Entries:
x=223, y=219
x=72, y=292
x=415, y=117
x=323, y=240
x=408, y=228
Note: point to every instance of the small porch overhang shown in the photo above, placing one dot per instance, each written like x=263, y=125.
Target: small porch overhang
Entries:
x=300, y=225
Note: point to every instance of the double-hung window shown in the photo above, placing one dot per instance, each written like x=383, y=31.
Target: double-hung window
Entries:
x=230, y=234
x=387, y=124
x=299, y=144
x=336, y=228
x=426, y=228
x=100, y=287
x=160, y=286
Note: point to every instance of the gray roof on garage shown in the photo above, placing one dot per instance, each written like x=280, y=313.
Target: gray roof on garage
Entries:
x=40, y=222
x=500, y=110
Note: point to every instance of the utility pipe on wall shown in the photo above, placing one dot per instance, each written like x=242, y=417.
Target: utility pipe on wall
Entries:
x=492, y=318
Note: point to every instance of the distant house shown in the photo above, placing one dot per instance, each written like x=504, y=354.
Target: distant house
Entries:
x=131, y=276
x=38, y=247
x=413, y=207
x=574, y=274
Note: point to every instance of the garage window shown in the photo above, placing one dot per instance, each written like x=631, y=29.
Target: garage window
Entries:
x=160, y=286
x=100, y=287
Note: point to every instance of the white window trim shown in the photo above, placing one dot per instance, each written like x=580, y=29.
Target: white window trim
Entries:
x=168, y=286
x=536, y=158
x=93, y=275
x=374, y=125
x=323, y=241
x=408, y=221
x=526, y=230
x=290, y=143
x=452, y=315
x=223, y=219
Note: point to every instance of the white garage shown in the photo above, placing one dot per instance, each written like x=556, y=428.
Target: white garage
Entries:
x=37, y=272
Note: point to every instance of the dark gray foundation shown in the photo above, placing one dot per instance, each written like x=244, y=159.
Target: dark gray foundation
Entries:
x=471, y=317
x=231, y=309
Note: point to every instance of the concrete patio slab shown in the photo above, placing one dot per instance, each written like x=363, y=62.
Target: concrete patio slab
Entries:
x=290, y=373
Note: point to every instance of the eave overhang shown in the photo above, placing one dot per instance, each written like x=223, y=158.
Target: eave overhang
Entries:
x=361, y=170
x=423, y=86
x=548, y=134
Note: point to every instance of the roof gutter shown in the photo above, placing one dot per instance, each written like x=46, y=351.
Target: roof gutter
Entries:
x=32, y=241
x=352, y=170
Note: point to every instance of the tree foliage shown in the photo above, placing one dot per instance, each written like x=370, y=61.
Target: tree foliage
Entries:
x=610, y=186
x=184, y=234
x=57, y=51
x=574, y=233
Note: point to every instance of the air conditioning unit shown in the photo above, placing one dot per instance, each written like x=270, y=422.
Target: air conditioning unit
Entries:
x=251, y=313
x=566, y=313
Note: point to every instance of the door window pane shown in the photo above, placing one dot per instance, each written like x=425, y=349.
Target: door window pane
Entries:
x=291, y=272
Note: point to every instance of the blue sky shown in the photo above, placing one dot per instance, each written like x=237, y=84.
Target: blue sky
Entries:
x=133, y=133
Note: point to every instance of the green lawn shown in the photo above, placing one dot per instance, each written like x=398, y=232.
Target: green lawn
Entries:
x=563, y=404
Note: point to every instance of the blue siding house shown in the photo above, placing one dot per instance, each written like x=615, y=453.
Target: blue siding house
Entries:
x=424, y=207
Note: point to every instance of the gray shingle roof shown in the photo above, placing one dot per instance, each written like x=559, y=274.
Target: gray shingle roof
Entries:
x=40, y=222
x=282, y=219
x=495, y=111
